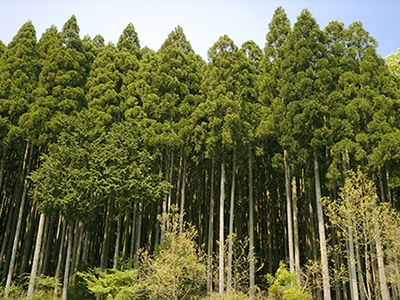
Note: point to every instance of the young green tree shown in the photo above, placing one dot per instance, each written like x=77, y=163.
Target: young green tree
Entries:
x=177, y=269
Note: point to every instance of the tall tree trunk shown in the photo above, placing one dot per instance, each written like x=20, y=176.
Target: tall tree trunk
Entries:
x=35, y=262
x=210, y=232
x=138, y=234
x=104, y=249
x=221, y=231
x=28, y=240
x=289, y=213
x=133, y=232
x=19, y=222
x=321, y=230
x=61, y=251
x=359, y=270
x=229, y=280
x=182, y=195
x=47, y=251
x=45, y=238
x=68, y=262
x=296, y=231
x=251, y=225
x=117, y=242
x=381, y=264
x=167, y=200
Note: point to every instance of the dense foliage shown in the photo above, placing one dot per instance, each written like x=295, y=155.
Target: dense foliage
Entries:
x=98, y=140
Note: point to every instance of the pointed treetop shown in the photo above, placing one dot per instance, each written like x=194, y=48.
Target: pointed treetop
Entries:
x=177, y=37
x=305, y=25
x=26, y=35
x=224, y=43
x=253, y=52
x=98, y=41
x=358, y=39
x=70, y=33
x=279, y=29
x=129, y=39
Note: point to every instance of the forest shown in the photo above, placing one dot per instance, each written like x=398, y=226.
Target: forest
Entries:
x=129, y=173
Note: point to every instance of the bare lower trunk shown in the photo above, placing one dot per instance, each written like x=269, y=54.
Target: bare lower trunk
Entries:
x=35, y=262
x=182, y=195
x=104, y=249
x=138, y=234
x=61, y=251
x=229, y=280
x=296, y=231
x=67, y=263
x=251, y=225
x=19, y=223
x=210, y=233
x=321, y=230
x=167, y=199
x=352, y=266
x=381, y=264
x=289, y=213
x=116, y=252
x=221, y=232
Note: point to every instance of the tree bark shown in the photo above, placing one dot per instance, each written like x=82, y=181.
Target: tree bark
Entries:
x=104, y=248
x=182, y=195
x=67, y=263
x=35, y=262
x=210, y=232
x=221, y=232
x=251, y=225
x=60, y=252
x=138, y=234
x=296, y=231
x=19, y=222
x=289, y=213
x=117, y=242
x=321, y=230
x=381, y=264
x=232, y=204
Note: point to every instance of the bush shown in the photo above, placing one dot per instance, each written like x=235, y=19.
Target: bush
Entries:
x=177, y=269
x=284, y=286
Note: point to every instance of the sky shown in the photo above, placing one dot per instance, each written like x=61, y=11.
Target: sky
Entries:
x=203, y=21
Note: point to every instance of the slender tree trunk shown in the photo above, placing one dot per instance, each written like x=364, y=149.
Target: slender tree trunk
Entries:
x=133, y=232
x=35, y=262
x=336, y=263
x=251, y=225
x=67, y=263
x=359, y=271
x=117, y=242
x=182, y=195
x=352, y=264
x=210, y=232
x=19, y=222
x=296, y=231
x=125, y=238
x=229, y=280
x=221, y=232
x=28, y=240
x=167, y=200
x=321, y=230
x=289, y=213
x=48, y=244
x=381, y=264
x=61, y=251
x=138, y=234
x=104, y=249
x=45, y=238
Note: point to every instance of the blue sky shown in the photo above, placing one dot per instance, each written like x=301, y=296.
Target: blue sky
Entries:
x=203, y=21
